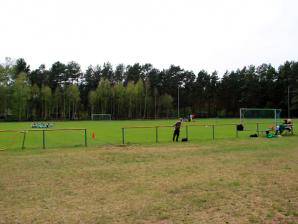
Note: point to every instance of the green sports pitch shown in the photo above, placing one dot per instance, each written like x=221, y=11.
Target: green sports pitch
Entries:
x=112, y=132
x=227, y=180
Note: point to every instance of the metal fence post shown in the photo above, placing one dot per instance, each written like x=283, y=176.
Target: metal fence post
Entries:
x=156, y=134
x=122, y=136
x=85, y=137
x=43, y=139
x=24, y=138
x=213, y=131
x=236, y=131
x=186, y=128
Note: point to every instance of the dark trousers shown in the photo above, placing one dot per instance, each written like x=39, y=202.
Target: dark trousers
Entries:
x=176, y=134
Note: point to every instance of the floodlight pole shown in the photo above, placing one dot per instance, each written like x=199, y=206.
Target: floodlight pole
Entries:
x=155, y=93
x=155, y=106
x=178, y=103
x=289, y=113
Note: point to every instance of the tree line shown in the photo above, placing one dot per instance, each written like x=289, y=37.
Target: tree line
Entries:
x=64, y=91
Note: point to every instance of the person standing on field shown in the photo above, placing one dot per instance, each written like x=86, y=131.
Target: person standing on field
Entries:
x=177, y=126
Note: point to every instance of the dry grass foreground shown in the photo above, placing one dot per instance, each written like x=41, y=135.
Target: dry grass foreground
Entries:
x=224, y=181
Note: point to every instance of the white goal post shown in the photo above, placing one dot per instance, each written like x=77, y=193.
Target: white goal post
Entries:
x=258, y=113
x=101, y=117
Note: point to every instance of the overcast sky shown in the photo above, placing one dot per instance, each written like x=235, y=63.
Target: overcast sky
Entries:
x=195, y=34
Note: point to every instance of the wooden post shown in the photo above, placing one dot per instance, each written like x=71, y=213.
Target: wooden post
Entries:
x=122, y=136
x=85, y=137
x=186, y=129
x=24, y=138
x=43, y=139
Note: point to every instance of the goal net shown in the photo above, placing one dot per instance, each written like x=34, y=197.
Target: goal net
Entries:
x=101, y=117
x=266, y=115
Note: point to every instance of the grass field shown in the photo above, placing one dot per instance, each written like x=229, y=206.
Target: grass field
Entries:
x=109, y=132
x=223, y=181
